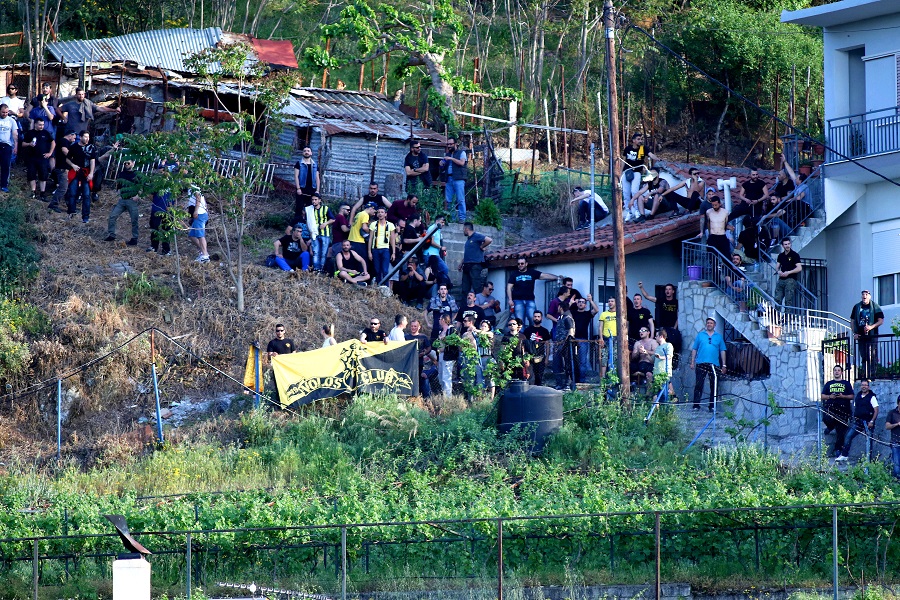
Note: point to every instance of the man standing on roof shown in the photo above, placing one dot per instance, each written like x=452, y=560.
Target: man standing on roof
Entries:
x=418, y=174
x=633, y=156
x=717, y=220
x=307, y=182
x=754, y=191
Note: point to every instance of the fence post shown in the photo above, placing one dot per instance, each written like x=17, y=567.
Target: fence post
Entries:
x=343, y=562
x=159, y=428
x=58, y=420
x=834, y=550
x=35, y=570
x=187, y=556
x=499, y=559
x=656, y=536
x=257, y=369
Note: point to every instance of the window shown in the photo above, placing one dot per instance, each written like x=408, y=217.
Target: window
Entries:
x=886, y=289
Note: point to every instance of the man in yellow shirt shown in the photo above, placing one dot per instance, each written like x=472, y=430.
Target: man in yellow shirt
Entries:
x=359, y=230
x=608, y=331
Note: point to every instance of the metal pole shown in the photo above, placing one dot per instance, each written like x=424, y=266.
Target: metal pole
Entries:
x=343, y=563
x=834, y=551
x=256, y=367
x=187, y=555
x=547, y=123
x=656, y=534
x=58, y=420
x=35, y=570
x=499, y=559
x=159, y=429
x=592, y=193
x=600, y=126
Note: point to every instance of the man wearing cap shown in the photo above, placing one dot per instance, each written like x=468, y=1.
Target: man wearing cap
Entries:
x=716, y=219
x=865, y=319
x=893, y=425
x=359, y=229
x=707, y=353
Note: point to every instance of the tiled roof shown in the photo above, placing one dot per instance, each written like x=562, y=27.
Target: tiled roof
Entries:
x=575, y=245
x=680, y=170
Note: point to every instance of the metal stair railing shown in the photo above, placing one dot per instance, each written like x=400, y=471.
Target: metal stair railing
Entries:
x=795, y=212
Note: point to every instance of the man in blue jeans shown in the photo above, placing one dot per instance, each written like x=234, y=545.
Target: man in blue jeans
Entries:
x=893, y=425
x=9, y=144
x=472, y=264
x=520, y=289
x=455, y=170
x=324, y=220
x=865, y=411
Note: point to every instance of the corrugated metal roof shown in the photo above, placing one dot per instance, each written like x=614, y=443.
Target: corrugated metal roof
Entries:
x=165, y=48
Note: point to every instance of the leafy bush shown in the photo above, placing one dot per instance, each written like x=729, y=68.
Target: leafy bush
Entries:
x=487, y=214
x=18, y=257
x=139, y=290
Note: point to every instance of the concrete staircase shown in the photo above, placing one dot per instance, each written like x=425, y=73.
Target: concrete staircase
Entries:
x=794, y=379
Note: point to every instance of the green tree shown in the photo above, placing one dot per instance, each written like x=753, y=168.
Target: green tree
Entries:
x=425, y=33
x=225, y=161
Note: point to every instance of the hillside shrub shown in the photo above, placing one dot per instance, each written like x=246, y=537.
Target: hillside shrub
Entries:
x=487, y=214
x=18, y=256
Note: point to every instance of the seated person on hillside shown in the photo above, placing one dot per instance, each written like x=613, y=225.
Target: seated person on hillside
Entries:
x=349, y=266
x=411, y=287
x=291, y=252
x=736, y=284
x=584, y=207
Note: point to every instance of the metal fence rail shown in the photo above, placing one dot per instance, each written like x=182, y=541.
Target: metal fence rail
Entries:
x=864, y=134
x=878, y=358
x=788, y=544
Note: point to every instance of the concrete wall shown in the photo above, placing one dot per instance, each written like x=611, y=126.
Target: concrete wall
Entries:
x=878, y=37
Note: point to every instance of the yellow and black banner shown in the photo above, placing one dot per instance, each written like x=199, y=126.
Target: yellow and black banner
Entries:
x=350, y=366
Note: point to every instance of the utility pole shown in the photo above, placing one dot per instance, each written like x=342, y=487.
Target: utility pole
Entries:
x=615, y=174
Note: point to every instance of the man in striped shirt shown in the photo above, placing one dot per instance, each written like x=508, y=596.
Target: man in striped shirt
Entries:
x=324, y=219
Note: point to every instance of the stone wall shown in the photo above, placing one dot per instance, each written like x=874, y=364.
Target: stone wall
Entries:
x=794, y=384
x=455, y=241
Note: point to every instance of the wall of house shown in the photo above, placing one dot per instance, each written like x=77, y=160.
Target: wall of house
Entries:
x=880, y=42
x=856, y=250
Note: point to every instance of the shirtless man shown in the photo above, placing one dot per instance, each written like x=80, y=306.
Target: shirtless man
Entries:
x=716, y=218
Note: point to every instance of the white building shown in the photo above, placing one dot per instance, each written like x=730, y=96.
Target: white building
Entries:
x=861, y=240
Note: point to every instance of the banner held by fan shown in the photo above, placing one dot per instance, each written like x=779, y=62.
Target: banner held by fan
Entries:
x=348, y=367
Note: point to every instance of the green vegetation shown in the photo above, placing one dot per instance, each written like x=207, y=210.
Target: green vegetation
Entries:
x=139, y=290
x=379, y=460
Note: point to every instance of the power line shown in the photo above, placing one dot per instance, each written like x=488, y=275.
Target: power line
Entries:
x=796, y=130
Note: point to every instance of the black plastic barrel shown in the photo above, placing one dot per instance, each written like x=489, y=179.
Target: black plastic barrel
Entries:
x=534, y=408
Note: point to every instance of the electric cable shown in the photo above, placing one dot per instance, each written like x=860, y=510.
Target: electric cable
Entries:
x=796, y=130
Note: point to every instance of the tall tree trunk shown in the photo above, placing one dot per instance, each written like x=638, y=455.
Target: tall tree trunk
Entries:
x=722, y=118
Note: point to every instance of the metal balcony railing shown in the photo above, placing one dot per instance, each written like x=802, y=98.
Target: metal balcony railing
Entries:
x=864, y=134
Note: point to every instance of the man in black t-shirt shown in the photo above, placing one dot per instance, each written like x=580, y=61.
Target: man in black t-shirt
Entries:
x=281, y=344
x=640, y=316
x=538, y=335
x=789, y=268
x=583, y=312
x=373, y=333
x=754, y=192
x=470, y=310
x=291, y=251
x=411, y=234
x=837, y=395
x=753, y=240
x=81, y=162
x=520, y=289
x=126, y=202
x=62, y=170
x=418, y=174
x=38, y=148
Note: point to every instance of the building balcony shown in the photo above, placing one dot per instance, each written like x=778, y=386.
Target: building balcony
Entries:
x=863, y=135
